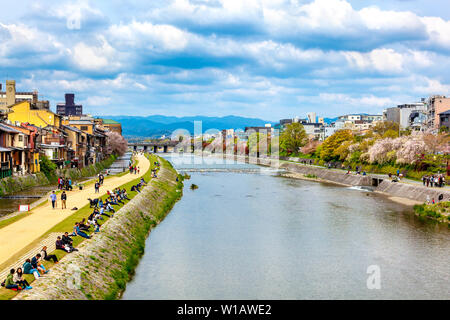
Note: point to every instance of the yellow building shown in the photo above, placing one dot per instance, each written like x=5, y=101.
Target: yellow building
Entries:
x=23, y=112
x=83, y=125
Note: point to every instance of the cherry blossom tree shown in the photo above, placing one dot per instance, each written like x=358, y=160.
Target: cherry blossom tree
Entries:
x=115, y=143
x=412, y=149
x=310, y=147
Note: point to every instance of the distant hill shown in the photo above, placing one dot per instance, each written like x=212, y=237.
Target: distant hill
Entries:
x=157, y=125
x=330, y=120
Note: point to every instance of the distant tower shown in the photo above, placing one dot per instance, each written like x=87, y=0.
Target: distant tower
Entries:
x=311, y=117
x=69, y=108
x=10, y=92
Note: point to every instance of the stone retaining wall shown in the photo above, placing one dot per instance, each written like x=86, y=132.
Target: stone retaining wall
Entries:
x=387, y=187
x=11, y=185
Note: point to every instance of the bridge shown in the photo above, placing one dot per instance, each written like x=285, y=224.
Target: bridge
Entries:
x=156, y=146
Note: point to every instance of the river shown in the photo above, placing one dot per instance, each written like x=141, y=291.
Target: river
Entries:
x=248, y=233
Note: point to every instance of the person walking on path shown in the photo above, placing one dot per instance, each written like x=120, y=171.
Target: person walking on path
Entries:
x=97, y=187
x=138, y=169
x=53, y=199
x=135, y=169
x=63, y=200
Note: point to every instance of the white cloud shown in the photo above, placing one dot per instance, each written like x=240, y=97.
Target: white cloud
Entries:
x=383, y=60
x=95, y=58
x=431, y=86
x=364, y=101
x=150, y=36
x=98, y=101
x=439, y=32
x=22, y=38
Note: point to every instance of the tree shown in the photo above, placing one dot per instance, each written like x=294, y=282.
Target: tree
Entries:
x=390, y=134
x=115, y=143
x=310, y=147
x=343, y=150
x=47, y=166
x=259, y=142
x=381, y=128
x=333, y=142
x=443, y=129
x=412, y=149
x=293, y=137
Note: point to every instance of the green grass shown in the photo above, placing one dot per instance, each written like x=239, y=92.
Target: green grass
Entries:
x=67, y=225
x=136, y=248
x=438, y=211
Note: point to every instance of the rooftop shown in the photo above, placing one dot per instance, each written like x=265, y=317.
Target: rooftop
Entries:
x=109, y=121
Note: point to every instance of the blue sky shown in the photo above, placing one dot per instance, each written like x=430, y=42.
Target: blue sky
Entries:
x=269, y=59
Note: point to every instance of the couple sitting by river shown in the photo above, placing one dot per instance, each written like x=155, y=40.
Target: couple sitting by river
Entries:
x=15, y=280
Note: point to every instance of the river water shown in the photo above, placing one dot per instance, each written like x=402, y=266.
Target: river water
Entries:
x=248, y=233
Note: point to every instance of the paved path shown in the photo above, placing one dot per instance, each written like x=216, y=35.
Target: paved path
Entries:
x=18, y=235
x=379, y=175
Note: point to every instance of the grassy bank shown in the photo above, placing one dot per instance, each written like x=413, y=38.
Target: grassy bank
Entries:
x=438, y=211
x=135, y=250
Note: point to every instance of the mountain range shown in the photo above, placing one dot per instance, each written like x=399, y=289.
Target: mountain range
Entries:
x=156, y=126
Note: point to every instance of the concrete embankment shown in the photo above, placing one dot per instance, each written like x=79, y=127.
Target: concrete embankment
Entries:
x=11, y=185
x=395, y=190
x=103, y=265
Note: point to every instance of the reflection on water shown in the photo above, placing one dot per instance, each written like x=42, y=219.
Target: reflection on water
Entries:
x=246, y=235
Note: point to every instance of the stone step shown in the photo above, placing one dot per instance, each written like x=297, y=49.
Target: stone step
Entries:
x=50, y=242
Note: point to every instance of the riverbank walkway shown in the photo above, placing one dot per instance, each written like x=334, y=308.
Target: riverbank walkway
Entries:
x=375, y=175
x=18, y=235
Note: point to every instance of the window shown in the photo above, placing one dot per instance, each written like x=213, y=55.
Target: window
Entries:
x=84, y=128
x=20, y=138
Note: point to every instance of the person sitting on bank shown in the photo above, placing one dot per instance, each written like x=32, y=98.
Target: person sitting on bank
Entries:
x=109, y=208
x=9, y=282
x=68, y=242
x=125, y=194
x=80, y=233
x=20, y=281
x=103, y=209
x=135, y=188
x=83, y=226
x=28, y=269
x=48, y=257
x=112, y=200
x=37, y=263
x=59, y=244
